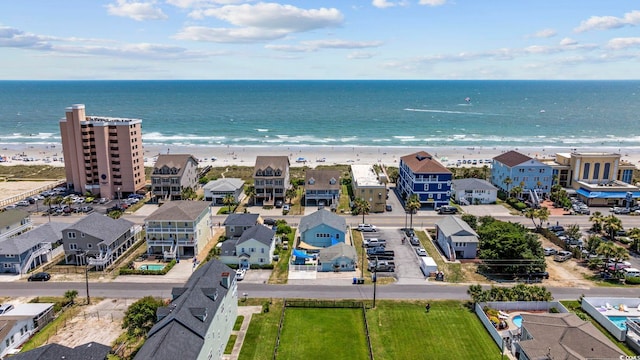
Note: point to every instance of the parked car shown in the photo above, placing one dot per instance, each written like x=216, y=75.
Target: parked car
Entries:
x=620, y=210
x=550, y=251
x=22, y=203
x=269, y=221
x=447, y=209
x=103, y=201
x=367, y=227
x=414, y=240
x=374, y=243
x=279, y=203
x=286, y=207
x=240, y=273
x=421, y=251
x=388, y=207
x=612, y=265
x=555, y=228
x=39, y=276
x=562, y=256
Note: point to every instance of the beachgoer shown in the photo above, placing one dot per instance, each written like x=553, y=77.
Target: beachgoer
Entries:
x=428, y=307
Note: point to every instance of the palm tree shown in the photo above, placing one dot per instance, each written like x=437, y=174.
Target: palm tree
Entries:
x=250, y=191
x=573, y=231
x=51, y=200
x=611, y=225
x=361, y=206
x=507, y=181
x=412, y=206
x=291, y=193
x=605, y=249
x=618, y=255
x=634, y=234
x=229, y=200
x=71, y=295
x=542, y=214
x=596, y=218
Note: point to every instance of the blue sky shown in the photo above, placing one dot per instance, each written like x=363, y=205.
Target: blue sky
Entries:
x=341, y=39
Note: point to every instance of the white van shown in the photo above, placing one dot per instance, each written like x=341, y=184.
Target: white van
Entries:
x=631, y=272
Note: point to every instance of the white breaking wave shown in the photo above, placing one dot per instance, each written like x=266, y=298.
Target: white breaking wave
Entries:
x=445, y=111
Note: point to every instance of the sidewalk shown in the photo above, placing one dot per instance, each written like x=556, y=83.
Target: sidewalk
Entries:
x=247, y=312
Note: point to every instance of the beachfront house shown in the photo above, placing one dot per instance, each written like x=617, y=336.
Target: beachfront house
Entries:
x=23, y=253
x=456, y=238
x=236, y=224
x=473, y=192
x=532, y=177
x=216, y=190
x=98, y=240
x=20, y=323
x=322, y=188
x=597, y=178
x=368, y=184
x=13, y=222
x=198, y=322
x=91, y=350
x=322, y=229
x=172, y=173
x=180, y=228
x=271, y=179
x=422, y=175
x=338, y=257
x=255, y=246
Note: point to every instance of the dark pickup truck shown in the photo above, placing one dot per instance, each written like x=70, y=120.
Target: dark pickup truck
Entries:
x=380, y=251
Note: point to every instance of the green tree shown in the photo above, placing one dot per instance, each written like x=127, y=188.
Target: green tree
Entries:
x=188, y=193
x=250, y=191
x=361, y=206
x=291, y=193
x=634, y=234
x=141, y=316
x=229, y=201
x=597, y=219
x=412, y=206
x=470, y=219
x=573, y=231
x=593, y=242
x=611, y=224
x=71, y=296
x=541, y=214
x=508, y=248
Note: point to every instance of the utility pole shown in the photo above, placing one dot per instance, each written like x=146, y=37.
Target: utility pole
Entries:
x=375, y=280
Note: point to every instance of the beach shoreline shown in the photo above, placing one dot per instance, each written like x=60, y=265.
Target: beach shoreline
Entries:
x=309, y=155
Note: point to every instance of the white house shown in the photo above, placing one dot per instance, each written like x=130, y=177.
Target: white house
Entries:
x=473, y=191
x=456, y=238
x=20, y=323
x=216, y=190
x=254, y=247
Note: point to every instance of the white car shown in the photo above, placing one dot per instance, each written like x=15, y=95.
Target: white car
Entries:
x=421, y=251
x=22, y=203
x=240, y=273
x=367, y=227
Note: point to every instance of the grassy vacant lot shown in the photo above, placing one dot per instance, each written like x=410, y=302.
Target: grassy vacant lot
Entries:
x=311, y=333
x=399, y=330
x=33, y=172
x=403, y=330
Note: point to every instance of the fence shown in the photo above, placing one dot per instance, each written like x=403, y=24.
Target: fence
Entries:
x=24, y=195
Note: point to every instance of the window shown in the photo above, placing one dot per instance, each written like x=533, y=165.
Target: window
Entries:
x=73, y=246
x=596, y=170
x=585, y=171
x=71, y=235
x=262, y=250
x=607, y=168
x=89, y=246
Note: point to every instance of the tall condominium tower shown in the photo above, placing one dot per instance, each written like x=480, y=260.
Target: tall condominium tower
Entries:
x=102, y=155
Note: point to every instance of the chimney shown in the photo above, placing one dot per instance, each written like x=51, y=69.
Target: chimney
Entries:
x=226, y=280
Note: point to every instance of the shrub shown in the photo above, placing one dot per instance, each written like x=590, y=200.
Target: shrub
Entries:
x=265, y=307
x=632, y=280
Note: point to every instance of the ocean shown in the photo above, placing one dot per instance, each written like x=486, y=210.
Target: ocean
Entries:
x=584, y=114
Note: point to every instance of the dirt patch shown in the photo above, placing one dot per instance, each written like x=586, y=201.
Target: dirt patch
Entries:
x=101, y=322
x=567, y=274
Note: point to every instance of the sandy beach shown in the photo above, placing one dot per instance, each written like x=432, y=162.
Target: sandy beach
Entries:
x=311, y=156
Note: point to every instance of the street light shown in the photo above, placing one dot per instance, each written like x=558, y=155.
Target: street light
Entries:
x=83, y=253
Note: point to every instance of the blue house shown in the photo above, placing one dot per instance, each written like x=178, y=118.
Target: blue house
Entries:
x=322, y=229
x=20, y=254
x=424, y=176
x=534, y=177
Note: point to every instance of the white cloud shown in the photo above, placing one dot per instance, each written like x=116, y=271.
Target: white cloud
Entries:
x=359, y=55
x=609, y=22
x=433, y=2
x=623, y=43
x=138, y=11
x=288, y=48
x=568, y=42
x=194, y=4
x=275, y=16
x=545, y=33
x=12, y=37
x=315, y=45
x=382, y=4
x=227, y=35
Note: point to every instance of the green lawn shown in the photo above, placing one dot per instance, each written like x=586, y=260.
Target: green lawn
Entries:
x=403, y=330
x=398, y=329
x=312, y=333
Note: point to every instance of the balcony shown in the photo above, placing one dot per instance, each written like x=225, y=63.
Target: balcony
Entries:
x=181, y=242
x=151, y=230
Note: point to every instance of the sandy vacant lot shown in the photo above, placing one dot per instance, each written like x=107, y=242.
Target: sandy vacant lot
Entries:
x=9, y=189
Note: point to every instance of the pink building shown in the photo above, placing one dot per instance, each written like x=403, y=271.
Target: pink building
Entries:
x=102, y=155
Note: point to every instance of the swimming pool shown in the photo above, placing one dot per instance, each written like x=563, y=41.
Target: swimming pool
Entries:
x=517, y=320
x=619, y=321
x=152, y=267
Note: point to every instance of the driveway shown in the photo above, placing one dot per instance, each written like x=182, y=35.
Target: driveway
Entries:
x=486, y=210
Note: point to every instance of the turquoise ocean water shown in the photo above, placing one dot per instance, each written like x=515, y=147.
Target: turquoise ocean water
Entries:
x=585, y=114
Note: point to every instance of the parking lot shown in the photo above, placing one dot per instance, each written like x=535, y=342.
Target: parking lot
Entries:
x=407, y=266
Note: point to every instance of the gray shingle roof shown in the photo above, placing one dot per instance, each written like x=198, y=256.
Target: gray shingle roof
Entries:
x=178, y=161
x=179, y=210
x=224, y=185
x=260, y=233
x=88, y=351
x=274, y=162
x=453, y=226
x=472, y=184
x=102, y=227
x=12, y=216
x=321, y=179
x=241, y=220
x=49, y=232
x=337, y=250
x=181, y=334
x=322, y=217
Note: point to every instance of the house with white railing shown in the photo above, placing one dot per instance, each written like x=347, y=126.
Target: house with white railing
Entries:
x=13, y=222
x=179, y=229
x=98, y=240
x=25, y=252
